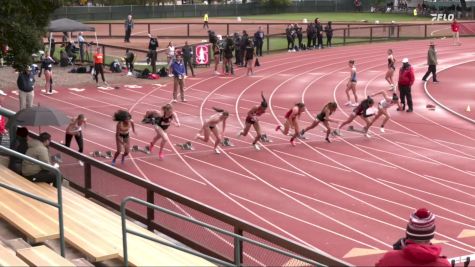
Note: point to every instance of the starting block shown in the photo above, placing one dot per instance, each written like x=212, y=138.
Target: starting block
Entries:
x=186, y=146
x=57, y=158
x=226, y=142
x=136, y=148
x=99, y=154
x=265, y=139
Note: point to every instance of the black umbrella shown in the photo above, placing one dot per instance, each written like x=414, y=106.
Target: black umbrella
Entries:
x=41, y=116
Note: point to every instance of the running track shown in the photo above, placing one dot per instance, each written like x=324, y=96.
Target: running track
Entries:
x=351, y=198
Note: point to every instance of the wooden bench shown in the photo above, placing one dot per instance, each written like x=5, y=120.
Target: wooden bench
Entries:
x=90, y=228
x=42, y=256
x=8, y=258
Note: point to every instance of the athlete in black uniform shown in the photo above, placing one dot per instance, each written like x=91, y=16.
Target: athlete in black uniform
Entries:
x=162, y=121
x=324, y=117
x=363, y=111
x=47, y=66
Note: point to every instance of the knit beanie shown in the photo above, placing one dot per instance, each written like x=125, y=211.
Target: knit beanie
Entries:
x=421, y=225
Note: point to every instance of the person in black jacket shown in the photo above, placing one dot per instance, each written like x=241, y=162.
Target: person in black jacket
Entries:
x=152, y=52
x=329, y=33
x=290, y=33
x=311, y=35
x=243, y=44
x=298, y=31
x=237, y=48
x=129, y=61
x=26, y=84
x=259, y=41
x=187, y=51
x=20, y=145
x=319, y=32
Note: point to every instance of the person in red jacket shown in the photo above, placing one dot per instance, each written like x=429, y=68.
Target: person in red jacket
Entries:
x=455, y=32
x=416, y=249
x=406, y=79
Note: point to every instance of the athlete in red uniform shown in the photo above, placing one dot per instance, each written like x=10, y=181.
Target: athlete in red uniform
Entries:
x=291, y=121
x=252, y=120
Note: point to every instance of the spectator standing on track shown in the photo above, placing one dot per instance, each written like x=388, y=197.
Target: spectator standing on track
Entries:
x=178, y=71
x=187, y=51
x=432, y=62
x=152, y=52
x=170, y=56
x=237, y=48
x=26, y=86
x=38, y=149
x=81, y=42
x=243, y=44
x=98, y=66
x=329, y=33
x=290, y=33
x=298, y=32
x=228, y=56
x=311, y=36
x=416, y=249
x=406, y=79
x=128, y=26
x=455, y=26
x=47, y=66
x=319, y=32
x=249, y=56
x=215, y=48
x=129, y=61
x=205, y=21
x=259, y=41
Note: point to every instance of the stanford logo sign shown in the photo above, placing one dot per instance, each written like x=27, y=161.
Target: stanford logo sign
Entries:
x=443, y=17
x=202, y=55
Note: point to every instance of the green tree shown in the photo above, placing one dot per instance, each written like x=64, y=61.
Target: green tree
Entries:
x=275, y=3
x=22, y=27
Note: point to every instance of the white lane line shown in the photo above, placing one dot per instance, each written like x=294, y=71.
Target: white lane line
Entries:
x=434, y=150
x=359, y=158
x=265, y=164
x=397, y=155
x=455, y=144
x=312, y=161
x=170, y=171
x=305, y=222
x=219, y=167
x=449, y=182
x=429, y=193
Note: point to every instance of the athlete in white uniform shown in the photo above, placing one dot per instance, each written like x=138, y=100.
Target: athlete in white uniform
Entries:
x=383, y=106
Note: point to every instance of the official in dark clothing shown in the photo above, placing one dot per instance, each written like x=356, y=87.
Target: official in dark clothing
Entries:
x=243, y=45
x=298, y=32
x=406, y=79
x=129, y=60
x=187, y=51
x=432, y=62
x=237, y=48
x=152, y=52
x=26, y=84
x=128, y=26
x=319, y=32
x=259, y=41
x=329, y=33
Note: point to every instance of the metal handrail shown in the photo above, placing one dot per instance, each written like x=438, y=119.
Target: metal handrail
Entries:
x=58, y=204
x=237, y=238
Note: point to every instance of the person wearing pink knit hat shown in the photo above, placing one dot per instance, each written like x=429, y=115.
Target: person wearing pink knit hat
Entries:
x=416, y=249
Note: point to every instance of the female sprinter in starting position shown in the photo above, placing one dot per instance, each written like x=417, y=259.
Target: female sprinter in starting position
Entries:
x=362, y=110
x=124, y=123
x=383, y=106
x=252, y=120
x=211, y=125
x=162, y=121
x=291, y=121
x=391, y=69
x=323, y=117
x=351, y=85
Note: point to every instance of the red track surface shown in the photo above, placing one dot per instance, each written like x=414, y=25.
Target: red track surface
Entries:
x=353, y=193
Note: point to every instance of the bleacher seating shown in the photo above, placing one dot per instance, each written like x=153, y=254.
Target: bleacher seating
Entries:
x=90, y=228
x=42, y=256
x=8, y=258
